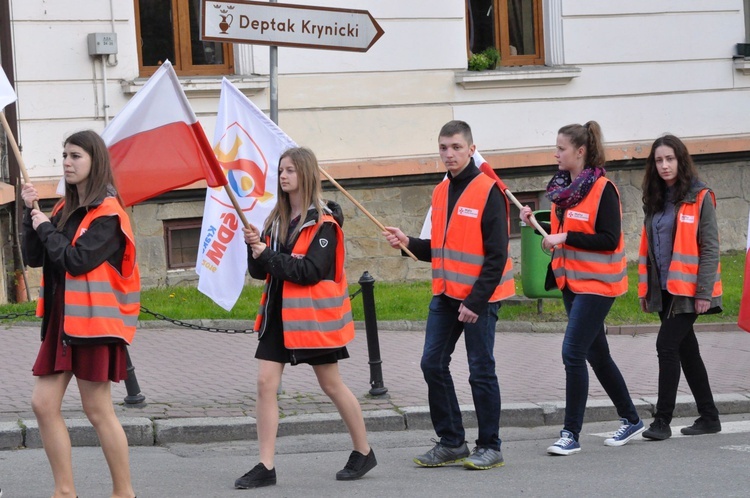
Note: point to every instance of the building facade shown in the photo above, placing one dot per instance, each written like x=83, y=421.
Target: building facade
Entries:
x=640, y=68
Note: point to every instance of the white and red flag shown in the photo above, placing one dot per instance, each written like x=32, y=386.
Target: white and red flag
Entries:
x=248, y=145
x=744, y=316
x=156, y=143
x=485, y=168
x=7, y=95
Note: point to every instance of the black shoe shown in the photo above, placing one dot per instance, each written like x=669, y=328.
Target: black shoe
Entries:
x=702, y=426
x=658, y=431
x=357, y=466
x=257, y=477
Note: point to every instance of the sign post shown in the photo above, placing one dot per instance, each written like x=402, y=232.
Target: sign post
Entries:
x=288, y=25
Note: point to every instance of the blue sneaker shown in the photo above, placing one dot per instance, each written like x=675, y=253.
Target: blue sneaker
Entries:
x=566, y=445
x=625, y=433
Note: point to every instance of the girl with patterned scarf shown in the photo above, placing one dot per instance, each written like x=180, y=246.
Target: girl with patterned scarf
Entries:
x=589, y=266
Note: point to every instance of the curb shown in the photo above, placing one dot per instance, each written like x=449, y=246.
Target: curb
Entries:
x=142, y=431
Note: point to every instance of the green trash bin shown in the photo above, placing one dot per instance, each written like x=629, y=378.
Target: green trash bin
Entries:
x=534, y=261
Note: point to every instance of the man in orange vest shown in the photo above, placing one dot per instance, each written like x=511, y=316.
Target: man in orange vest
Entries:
x=468, y=249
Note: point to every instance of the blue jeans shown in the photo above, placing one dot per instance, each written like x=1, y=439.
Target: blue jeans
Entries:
x=586, y=340
x=443, y=331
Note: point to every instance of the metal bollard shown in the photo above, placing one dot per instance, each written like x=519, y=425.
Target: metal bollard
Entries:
x=367, y=283
x=134, y=397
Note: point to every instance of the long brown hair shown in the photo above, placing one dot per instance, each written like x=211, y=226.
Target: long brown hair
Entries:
x=654, y=187
x=100, y=179
x=590, y=136
x=308, y=180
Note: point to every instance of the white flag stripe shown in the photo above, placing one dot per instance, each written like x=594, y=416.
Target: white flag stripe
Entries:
x=7, y=95
x=160, y=102
x=249, y=145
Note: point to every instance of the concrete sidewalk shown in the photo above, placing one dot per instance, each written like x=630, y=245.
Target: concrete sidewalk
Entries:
x=201, y=386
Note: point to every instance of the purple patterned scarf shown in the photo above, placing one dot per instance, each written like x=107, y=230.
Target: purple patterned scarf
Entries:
x=566, y=194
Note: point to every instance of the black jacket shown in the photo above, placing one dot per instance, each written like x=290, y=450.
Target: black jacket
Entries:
x=277, y=261
x=53, y=251
x=494, y=239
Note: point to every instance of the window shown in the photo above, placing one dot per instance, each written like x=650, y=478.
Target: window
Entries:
x=170, y=29
x=181, y=240
x=531, y=200
x=514, y=27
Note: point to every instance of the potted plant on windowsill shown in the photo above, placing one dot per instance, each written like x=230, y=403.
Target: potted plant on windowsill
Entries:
x=486, y=59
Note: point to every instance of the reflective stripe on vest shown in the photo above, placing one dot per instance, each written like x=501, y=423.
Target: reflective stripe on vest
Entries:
x=457, y=246
x=682, y=278
x=589, y=272
x=104, y=303
x=317, y=316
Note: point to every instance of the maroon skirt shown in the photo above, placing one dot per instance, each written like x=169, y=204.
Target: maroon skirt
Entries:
x=95, y=362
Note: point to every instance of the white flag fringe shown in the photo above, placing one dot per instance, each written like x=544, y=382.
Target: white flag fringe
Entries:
x=7, y=95
x=248, y=145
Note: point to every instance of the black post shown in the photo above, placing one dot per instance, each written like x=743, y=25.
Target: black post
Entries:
x=371, y=328
x=134, y=397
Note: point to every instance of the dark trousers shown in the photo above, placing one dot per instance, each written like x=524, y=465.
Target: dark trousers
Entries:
x=443, y=331
x=586, y=340
x=677, y=346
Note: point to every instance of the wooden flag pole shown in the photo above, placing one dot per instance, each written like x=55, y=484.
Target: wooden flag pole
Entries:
x=361, y=208
x=533, y=221
x=16, y=151
x=236, y=205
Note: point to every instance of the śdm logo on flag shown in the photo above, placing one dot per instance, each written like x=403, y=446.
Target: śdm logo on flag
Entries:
x=248, y=146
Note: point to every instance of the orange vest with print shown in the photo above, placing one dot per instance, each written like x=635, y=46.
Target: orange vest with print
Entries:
x=317, y=316
x=102, y=303
x=458, y=248
x=588, y=272
x=682, y=278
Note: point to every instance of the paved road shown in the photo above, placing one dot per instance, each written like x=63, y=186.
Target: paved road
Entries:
x=713, y=465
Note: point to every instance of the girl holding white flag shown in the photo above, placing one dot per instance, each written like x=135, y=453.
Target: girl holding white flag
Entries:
x=86, y=251
x=305, y=314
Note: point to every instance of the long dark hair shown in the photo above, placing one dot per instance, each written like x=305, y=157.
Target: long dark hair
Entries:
x=590, y=136
x=308, y=180
x=654, y=187
x=100, y=180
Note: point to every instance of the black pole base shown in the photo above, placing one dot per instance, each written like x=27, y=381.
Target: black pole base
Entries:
x=135, y=399
x=378, y=391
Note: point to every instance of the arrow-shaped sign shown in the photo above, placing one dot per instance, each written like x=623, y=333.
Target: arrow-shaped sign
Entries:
x=289, y=25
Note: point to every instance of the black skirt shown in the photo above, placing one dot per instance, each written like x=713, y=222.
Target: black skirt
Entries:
x=271, y=347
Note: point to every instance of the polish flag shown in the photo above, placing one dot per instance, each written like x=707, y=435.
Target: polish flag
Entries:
x=156, y=143
x=485, y=168
x=744, y=317
x=7, y=95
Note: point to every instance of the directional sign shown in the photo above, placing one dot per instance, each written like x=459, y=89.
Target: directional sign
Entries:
x=289, y=25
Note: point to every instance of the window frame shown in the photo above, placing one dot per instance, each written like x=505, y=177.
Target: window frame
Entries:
x=502, y=34
x=171, y=226
x=182, y=64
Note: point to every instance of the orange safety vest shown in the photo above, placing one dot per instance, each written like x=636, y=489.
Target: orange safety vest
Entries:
x=602, y=273
x=458, y=247
x=682, y=278
x=102, y=303
x=317, y=316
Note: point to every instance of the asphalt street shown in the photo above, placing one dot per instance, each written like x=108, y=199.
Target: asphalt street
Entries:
x=713, y=465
